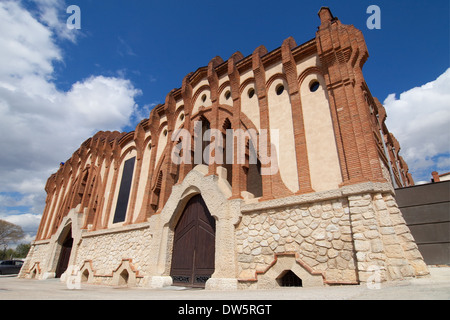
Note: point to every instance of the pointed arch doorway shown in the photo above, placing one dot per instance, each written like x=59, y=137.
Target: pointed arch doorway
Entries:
x=193, y=256
x=64, y=257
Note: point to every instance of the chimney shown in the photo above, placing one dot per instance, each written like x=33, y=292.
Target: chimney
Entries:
x=326, y=17
x=435, y=176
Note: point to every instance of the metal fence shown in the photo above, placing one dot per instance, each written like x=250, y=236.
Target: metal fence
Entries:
x=426, y=210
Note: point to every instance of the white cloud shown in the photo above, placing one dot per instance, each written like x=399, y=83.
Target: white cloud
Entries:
x=101, y=102
x=27, y=46
x=443, y=163
x=52, y=13
x=28, y=222
x=41, y=126
x=420, y=119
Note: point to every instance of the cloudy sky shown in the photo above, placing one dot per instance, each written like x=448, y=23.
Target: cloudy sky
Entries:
x=58, y=86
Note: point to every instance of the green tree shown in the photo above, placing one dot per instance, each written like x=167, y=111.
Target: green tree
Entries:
x=7, y=254
x=22, y=250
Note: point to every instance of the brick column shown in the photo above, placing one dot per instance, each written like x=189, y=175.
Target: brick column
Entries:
x=261, y=91
x=343, y=52
x=290, y=69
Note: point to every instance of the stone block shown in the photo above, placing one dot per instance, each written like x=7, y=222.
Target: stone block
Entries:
x=362, y=245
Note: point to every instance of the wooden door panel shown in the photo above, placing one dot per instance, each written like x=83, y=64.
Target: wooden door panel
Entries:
x=64, y=256
x=204, y=254
x=193, y=254
x=183, y=260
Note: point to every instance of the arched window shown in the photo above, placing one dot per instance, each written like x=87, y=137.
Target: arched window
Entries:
x=201, y=141
x=227, y=164
x=157, y=192
x=206, y=140
x=124, y=191
x=254, y=178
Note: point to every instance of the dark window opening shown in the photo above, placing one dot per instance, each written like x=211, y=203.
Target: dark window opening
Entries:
x=206, y=134
x=314, y=86
x=227, y=164
x=64, y=255
x=157, y=192
x=280, y=89
x=201, y=127
x=85, y=276
x=124, y=191
x=123, y=278
x=289, y=279
x=254, y=178
x=251, y=93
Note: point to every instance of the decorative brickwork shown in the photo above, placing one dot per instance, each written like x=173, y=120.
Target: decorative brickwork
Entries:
x=326, y=212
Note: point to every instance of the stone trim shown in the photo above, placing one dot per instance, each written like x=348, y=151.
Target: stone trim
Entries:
x=126, y=228
x=368, y=187
x=276, y=256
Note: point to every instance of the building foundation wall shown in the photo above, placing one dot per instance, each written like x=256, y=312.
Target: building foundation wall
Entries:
x=341, y=237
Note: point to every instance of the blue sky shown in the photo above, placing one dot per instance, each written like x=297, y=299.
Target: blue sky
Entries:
x=56, y=84
x=156, y=43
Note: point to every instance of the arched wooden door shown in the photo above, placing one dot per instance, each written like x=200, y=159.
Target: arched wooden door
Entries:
x=64, y=256
x=194, y=245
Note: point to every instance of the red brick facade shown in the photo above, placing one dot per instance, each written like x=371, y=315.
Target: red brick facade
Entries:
x=366, y=149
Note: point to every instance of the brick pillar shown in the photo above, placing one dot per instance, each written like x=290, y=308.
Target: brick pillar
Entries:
x=238, y=178
x=435, y=176
x=343, y=52
x=261, y=92
x=186, y=93
x=214, y=90
x=290, y=68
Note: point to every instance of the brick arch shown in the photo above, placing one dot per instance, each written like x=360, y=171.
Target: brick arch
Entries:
x=307, y=72
x=125, y=152
x=277, y=77
x=244, y=85
x=198, y=92
x=223, y=86
x=71, y=224
x=215, y=193
x=162, y=126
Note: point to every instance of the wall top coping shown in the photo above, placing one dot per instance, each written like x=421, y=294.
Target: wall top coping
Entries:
x=127, y=228
x=367, y=187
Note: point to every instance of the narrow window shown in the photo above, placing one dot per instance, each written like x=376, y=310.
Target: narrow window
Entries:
x=229, y=166
x=206, y=134
x=124, y=191
x=254, y=178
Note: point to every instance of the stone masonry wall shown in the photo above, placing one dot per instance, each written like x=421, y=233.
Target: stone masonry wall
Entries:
x=320, y=233
x=382, y=239
x=107, y=251
x=37, y=257
x=346, y=240
x=339, y=237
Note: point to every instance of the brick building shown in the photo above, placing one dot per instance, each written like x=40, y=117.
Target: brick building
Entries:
x=315, y=206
